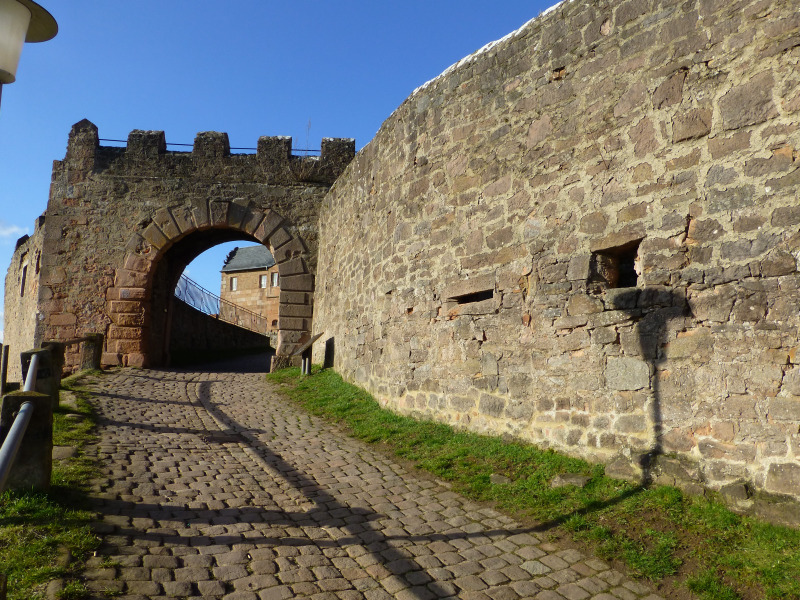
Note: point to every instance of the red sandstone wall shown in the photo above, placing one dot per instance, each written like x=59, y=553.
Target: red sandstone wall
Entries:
x=464, y=250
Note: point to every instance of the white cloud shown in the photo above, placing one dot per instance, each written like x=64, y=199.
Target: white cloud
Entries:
x=10, y=232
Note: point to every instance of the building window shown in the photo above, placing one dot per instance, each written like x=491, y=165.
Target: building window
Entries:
x=274, y=280
x=275, y=323
x=233, y=284
x=263, y=281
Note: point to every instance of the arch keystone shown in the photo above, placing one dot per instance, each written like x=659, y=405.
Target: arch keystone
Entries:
x=218, y=212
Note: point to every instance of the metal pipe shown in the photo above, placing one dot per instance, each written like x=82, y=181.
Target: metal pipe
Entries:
x=10, y=447
x=30, y=380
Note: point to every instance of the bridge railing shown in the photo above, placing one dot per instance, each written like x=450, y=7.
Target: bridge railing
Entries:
x=209, y=303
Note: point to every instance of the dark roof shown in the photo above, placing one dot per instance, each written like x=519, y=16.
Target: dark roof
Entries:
x=248, y=259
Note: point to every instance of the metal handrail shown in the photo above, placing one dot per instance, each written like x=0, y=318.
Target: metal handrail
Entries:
x=10, y=447
x=195, y=295
x=33, y=369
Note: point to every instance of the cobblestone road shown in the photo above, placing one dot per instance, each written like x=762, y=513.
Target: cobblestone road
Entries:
x=215, y=486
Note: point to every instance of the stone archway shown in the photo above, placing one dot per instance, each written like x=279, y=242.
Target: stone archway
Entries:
x=115, y=212
x=130, y=300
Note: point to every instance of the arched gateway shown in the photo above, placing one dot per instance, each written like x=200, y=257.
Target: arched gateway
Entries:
x=122, y=223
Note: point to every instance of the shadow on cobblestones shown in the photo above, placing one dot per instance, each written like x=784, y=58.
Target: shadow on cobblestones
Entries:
x=214, y=487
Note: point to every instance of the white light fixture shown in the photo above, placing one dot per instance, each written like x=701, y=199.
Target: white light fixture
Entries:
x=21, y=21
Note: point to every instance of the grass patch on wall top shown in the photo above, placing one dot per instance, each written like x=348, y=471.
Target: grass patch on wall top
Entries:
x=683, y=544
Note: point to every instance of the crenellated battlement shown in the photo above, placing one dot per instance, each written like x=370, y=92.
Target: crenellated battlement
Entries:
x=211, y=154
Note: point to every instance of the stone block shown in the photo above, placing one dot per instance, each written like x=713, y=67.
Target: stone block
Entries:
x=288, y=297
x=691, y=124
x=218, y=212
x=279, y=238
x=154, y=236
x=704, y=230
x=237, y=213
x=720, y=146
x=491, y=406
x=791, y=383
x=748, y=103
x=252, y=220
x=466, y=287
x=294, y=323
x=182, y=215
x=200, y=214
x=288, y=251
x=698, y=341
x=783, y=478
x=211, y=144
x=594, y=222
x=126, y=306
x=298, y=283
x=670, y=91
x=578, y=269
x=785, y=410
x=110, y=359
x=163, y=218
x=785, y=216
x=125, y=278
x=631, y=424
x=624, y=373
x=61, y=319
x=295, y=266
x=296, y=310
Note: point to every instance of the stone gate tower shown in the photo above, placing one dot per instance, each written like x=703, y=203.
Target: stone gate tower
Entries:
x=122, y=223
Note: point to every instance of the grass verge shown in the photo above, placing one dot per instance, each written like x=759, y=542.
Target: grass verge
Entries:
x=47, y=535
x=683, y=544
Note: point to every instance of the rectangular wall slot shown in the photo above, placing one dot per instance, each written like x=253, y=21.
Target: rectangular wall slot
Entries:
x=474, y=297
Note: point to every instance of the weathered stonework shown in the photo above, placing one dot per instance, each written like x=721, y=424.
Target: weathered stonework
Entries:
x=122, y=223
x=469, y=254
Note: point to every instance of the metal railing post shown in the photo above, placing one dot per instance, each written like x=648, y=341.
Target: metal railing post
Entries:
x=33, y=371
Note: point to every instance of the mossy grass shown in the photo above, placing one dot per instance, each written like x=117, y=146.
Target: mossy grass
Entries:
x=47, y=535
x=679, y=542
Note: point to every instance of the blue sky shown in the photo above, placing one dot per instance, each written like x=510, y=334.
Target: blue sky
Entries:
x=246, y=67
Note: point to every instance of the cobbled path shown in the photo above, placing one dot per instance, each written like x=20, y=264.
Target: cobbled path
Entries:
x=214, y=486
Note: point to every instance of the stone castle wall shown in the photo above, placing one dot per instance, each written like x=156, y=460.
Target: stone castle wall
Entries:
x=21, y=294
x=122, y=223
x=195, y=333
x=586, y=236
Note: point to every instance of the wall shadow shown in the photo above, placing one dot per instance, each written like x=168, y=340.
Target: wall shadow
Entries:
x=653, y=311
